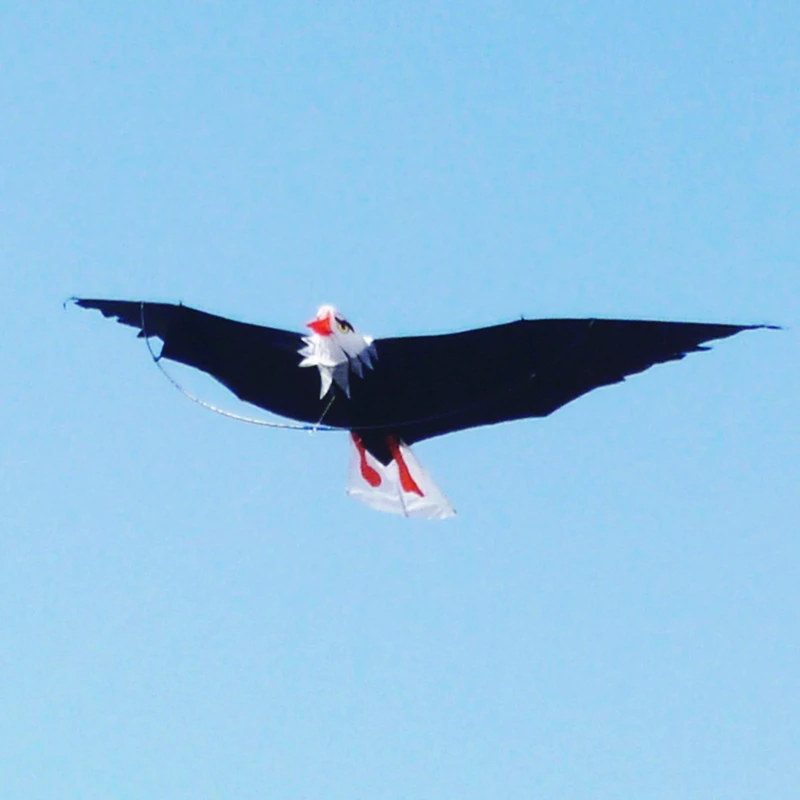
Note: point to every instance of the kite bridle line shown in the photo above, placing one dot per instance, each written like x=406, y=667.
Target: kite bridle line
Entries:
x=264, y=423
x=289, y=426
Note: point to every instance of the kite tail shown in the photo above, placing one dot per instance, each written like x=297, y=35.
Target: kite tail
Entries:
x=400, y=487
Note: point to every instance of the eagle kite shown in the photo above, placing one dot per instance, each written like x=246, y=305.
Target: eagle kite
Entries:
x=391, y=393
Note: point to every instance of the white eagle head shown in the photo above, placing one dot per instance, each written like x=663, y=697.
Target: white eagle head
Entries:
x=335, y=347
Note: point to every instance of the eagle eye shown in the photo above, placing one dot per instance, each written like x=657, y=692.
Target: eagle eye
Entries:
x=344, y=325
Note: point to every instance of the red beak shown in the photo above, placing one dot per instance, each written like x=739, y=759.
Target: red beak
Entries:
x=322, y=326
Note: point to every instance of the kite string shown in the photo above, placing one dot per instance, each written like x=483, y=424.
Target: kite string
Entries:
x=318, y=426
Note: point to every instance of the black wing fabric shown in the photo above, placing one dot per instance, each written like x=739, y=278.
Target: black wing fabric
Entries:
x=431, y=385
x=258, y=364
x=421, y=386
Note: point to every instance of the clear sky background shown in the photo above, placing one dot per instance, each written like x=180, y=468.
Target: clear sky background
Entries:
x=191, y=608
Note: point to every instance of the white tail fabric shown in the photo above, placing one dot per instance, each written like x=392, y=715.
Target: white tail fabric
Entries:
x=382, y=487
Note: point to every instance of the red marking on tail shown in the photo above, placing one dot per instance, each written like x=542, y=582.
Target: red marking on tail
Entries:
x=406, y=481
x=368, y=473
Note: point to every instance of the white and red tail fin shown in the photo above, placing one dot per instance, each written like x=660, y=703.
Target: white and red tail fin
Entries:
x=401, y=487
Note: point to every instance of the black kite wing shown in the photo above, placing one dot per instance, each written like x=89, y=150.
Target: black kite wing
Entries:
x=258, y=364
x=421, y=386
x=431, y=385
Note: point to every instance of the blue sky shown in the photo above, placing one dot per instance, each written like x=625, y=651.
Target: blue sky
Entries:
x=191, y=608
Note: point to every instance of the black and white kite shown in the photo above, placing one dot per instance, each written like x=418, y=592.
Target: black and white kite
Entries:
x=391, y=393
